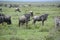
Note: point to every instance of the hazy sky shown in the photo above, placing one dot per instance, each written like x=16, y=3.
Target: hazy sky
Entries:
x=30, y=0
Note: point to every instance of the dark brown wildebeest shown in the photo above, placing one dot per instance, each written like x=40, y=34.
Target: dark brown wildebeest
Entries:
x=5, y=18
x=25, y=18
x=40, y=18
x=17, y=9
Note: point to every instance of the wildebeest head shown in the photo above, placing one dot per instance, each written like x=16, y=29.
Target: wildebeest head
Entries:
x=1, y=18
x=7, y=19
x=46, y=14
x=31, y=13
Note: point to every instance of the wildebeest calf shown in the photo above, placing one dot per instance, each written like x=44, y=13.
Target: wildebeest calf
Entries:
x=40, y=18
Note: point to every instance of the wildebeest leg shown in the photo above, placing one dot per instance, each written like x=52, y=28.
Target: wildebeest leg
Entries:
x=26, y=24
x=9, y=22
x=19, y=23
x=42, y=23
x=34, y=21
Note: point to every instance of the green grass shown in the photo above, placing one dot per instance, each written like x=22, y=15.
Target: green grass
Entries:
x=32, y=32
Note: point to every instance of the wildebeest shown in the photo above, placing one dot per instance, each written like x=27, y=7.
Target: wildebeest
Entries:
x=40, y=18
x=57, y=22
x=0, y=9
x=5, y=18
x=25, y=18
x=17, y=9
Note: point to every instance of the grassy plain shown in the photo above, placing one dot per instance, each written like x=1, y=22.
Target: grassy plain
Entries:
x=32, y=32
